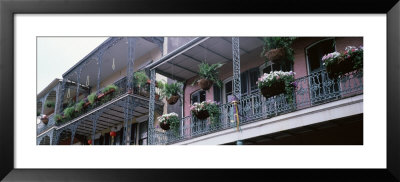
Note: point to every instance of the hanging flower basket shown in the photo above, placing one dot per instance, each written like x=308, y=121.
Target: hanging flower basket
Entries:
x=164, y=126
x=173, y=99
x=275, y=89
x=205, y=84
x=274, y=83
x=339, y=64
x=89, y=142
x=44, y=119
x=275, y=55
x=202, y=115
x=341, y=67
x=168, y=121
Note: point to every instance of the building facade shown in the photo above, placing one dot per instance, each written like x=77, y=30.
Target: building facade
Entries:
x=322, y=111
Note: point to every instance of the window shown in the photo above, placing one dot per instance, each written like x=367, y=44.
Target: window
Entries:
x=143, y=133
x=315, y=53
x=217, y=93
x=248, y=84
x=198, y=96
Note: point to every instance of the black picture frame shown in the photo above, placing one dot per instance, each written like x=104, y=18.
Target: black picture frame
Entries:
x=8, y=8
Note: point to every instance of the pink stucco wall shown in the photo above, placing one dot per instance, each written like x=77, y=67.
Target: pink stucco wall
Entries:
x=253, y=59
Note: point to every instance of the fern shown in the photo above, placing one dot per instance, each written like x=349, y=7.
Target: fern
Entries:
x=209, y=72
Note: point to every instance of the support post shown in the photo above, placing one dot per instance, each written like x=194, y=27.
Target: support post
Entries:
x=127, y=112
x=77, y=82
x=150, y=127
x=61, y=95
x=56, y=136
x=99, y=61
x=57, y=97
x=42, y=100
x=73, y=131
x=131, y=54
x=236, y=67
x=94, y=122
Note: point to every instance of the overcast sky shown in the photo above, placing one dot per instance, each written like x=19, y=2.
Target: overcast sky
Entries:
x=55, y=55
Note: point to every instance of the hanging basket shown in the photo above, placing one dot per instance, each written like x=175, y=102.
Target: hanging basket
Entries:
x=339, y=68
x=275, y=55
x=164, y=126
x=44, y=119
x=205, y=84
x=173, y=99
x=202, y=115
x=275, y=89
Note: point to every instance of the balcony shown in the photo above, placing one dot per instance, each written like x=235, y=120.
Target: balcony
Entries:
x=140, y=94
x=313, y=90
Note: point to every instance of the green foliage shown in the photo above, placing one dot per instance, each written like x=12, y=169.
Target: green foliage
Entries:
x=109, y=87
x=50, y=104
x=37, y=113
x=140, y=78
x=69, y=112
x=58, y=117
x=79, y=105
x=211, y=106
x=92, y=98
x=279, y=42
x=210, y=72
x=168, y=90
x=214, y=112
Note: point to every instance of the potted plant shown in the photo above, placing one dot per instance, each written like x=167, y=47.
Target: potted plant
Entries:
x=69, y=112
x=339, y=64
x=278, y=49
x=79, y=106
x=140, y=79
x=50, y=104
x=109, y=89
x=169, y=121
x=275, y=83
x=205, y=109
x=172, y=92
x=58, y=117
x=208, y=75
x=91, y=98
x=355, y=55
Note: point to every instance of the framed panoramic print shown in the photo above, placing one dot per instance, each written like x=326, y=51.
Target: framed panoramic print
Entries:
x=275, y=90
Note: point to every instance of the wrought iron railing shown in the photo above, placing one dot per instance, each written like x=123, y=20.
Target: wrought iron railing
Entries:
x=314, y=89
x=122, y=89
